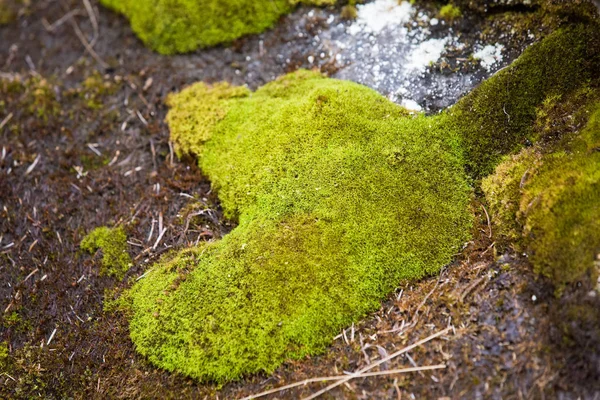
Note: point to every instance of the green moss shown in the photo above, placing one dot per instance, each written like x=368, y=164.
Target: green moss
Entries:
x=556, y=204
x=94, y=88
x=113, y=243
x=339, y=195
x=179, y=26
x=349, y=12
x=8, y=11
x=3, y=354
x=450, y=12
x=498, y=117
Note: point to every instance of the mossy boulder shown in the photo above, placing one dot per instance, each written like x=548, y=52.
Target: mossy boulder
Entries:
x=113, y=244
x=548, y=203
x=498, y=117
x=339, y=194
x=179, y=26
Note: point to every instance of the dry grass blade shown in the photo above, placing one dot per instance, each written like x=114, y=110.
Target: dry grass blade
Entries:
x=378, y=362
x=339, y=377
x=85, y=43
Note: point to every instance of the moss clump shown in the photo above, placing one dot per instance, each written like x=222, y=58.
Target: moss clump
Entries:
x=349, y=12
x=3, y=353
x=30, y=96
x=179, y=26
x=94, y=88
x=551, y=198
x=113, y=243
x=450, y=12
x=339, y=195
x=498, y=117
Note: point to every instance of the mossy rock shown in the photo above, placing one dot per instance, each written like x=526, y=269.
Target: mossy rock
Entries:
x=498, y=117
x=339, y=194
x=113, y=244
x=551, y=199
x=179, y=26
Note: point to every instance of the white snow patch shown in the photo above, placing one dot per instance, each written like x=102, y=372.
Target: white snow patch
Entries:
x=425, y=53
x=489, y=55
x=411, y=105
x=375, y=16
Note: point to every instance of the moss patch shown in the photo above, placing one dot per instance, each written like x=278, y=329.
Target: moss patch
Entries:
x=179, y=26
x=339, y=195
x=113, y=243
x=450, y=12
x=3, y=353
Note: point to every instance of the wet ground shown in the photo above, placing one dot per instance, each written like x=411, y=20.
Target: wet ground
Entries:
x=105, y=159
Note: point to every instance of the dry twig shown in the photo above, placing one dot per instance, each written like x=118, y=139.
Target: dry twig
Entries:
x=344, y=377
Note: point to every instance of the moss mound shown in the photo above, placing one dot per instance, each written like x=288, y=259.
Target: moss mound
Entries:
x=498, y=117
x=339, y=195
x=551, y=199
x=179, y=26
x=113, y=243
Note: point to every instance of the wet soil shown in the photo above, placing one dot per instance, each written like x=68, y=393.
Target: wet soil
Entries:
x=109, y=162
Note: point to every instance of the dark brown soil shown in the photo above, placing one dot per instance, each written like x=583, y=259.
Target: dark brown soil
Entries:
x=105, y=159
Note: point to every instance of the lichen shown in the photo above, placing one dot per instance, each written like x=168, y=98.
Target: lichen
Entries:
x=179, y=26
x=113, y=244
x=339, y=195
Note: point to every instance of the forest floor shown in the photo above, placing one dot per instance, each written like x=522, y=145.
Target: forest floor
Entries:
x=104, y=158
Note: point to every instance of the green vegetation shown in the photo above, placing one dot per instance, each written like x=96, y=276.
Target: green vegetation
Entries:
x=3, y=353
x=349, y=12
x=498, y=117
x=30, y=96
x=339, y=195
x=8, y=11
x=179, y=26
x=551, y=198
x=450, y=12
x=113, y=243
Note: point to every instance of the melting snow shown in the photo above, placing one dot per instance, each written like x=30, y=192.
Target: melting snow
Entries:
x=425, y=53
x=376, y=16
x=489, y=55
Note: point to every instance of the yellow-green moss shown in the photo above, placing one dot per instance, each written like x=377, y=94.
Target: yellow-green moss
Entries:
x=113, y=243
x=555, y=206
x=450, y=12
x=498, y=117
x=8, y=11
x=179, y=26
x=94, y=88
x=32, y=95
x=339, y=195
x=3, y=353
x=349, y=12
